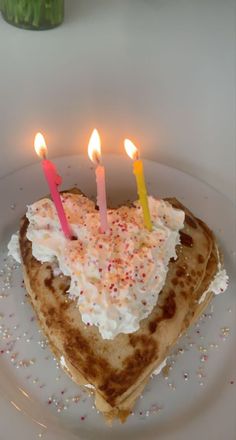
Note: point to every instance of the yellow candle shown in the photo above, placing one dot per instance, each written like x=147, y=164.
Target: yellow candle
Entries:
x=142, y=193
x=132, y=151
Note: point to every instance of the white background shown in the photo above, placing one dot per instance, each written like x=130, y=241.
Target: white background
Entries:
x=159, y=71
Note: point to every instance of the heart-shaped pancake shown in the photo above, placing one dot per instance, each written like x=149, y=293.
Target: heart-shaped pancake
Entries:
x=116, y=370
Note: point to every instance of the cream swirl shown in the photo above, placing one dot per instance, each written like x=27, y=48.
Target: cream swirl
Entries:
x=14, y=247
x=219, y=283
x=116, y=277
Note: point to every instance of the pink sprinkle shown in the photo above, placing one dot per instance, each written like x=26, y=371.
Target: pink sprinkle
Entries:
x=82, y=418
x=2, y=351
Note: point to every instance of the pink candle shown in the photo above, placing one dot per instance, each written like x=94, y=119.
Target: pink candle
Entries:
x=94, y=152
x=101, y=197
x=54, y=180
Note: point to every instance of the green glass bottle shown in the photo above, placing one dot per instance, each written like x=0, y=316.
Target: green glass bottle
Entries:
x=33, y=14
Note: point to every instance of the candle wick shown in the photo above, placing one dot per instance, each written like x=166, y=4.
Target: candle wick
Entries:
x=43, y=155
x=97, y=159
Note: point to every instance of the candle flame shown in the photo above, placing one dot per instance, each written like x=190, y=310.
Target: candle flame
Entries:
x=40, y=145
x=131, y=149
x=94, y=147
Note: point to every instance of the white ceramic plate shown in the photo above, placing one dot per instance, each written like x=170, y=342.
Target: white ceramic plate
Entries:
x=37, y=400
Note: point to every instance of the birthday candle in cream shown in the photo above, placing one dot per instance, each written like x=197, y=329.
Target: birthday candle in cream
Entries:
x=94, y=152
x=53, y=180
x=133, y=153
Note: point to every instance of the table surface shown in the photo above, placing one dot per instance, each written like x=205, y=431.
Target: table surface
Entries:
x=161, y=72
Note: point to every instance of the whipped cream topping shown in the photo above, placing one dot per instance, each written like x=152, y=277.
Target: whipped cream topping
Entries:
x=14, y=247
x=116, y=277
x=63, y=362
x=218, y=285
x=90, y=386
x=159, y=368
x=64, y=365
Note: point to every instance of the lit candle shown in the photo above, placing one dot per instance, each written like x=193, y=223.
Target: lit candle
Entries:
x=94, y=152
x=133, y=153
x=53, y=180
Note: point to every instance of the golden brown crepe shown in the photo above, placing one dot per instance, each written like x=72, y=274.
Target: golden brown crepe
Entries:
x=118, y=369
